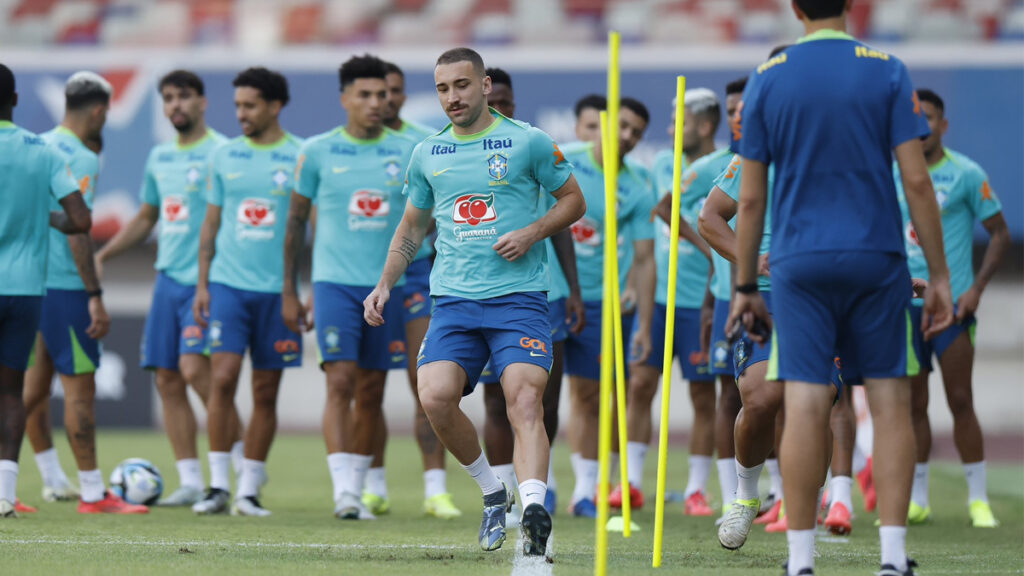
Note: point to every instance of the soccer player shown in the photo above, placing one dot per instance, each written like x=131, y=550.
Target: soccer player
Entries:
x=73, y=316
x=838, y=264
x=437, y=501
x=636, y=200
x=588, y=117
x=702, y=115
x=238, y=293
x=480, y=177
x=34, y=172
x=354, y=174
x=173, y=344
x=965, y=196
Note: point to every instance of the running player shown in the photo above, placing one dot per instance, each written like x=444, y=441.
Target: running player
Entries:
x=73, y=316
x=702, y=114
x=636, y=200
x=488, y=282
x=835, y=265
x=238, y=293
x=964, y=196
x=33, y=173
x=173, y=344
x=354, y=174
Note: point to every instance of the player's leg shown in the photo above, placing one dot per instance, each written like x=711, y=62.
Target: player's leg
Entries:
x=499, y=440
x=920, y=508
x=643, y=385
x=367, y=414
x=551, y=401
x=581, y=359
x=38, y=381
x=893, y=451
x=843, y=423
x=180, y=425
x=702, y=444
x=725, y=439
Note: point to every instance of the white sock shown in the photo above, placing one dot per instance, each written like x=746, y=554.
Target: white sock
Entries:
x=586, y=480
x=190, y=473
x=532, y=492
x=91, y=482
x=506, y=473
x=746, y=481
x=484, y=475
x=894, y=541
x=977, y=480
x=552, y=483
x=237, y=457
x=824, y=487
x=435, y=481
x=860, y=461
x=919, y=491
x=700, y=469
x=50, y=468
x=377, y=482
x=338, y=466
x=8, y=480
x=636, y=454
x=801, y=550
x=220, y=470
x=727, y=479
x=360, y=466
x=249, y=481
x=772, y=464
x=839, y=489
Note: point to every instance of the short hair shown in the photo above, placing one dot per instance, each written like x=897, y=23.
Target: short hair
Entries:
x=737, y=86
x=927, y=95
x=271, y=85
x=595, y=101
x=7, y=86
x=182, y=79
x=365, y=66
x=636, y=107
x=821, y=9
x=778, y=50
x=85, y=89
x=499, y=76
x=463, y=55
x=704, y=103
x=393, y=68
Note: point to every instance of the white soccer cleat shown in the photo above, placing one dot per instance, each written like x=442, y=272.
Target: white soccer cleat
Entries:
x=215, y=502
x=7, y=509
x=349, y=506
x=183, y=496
x=62, y=492
x=732, y=534
x=248, y=506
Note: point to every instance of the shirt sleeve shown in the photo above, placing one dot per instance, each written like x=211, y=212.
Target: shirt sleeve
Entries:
x=984, y=202
x=729, y=180
x=85, y=168
x=62, y=183
x=214, y=184
x=908, y=121
x=417, y=187
x=550, y=167
x=307, y=173
x=149, y=194
x=749, y=124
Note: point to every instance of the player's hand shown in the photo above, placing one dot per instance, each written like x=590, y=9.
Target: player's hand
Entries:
x=627, y=300
x=763, y=267
x=967, y=304
x=938, y=308
x=513, y=245
x=575, y=313
x=707, y=320
x=293, y=313
x=640, y=345
x=99, y=323
x=748, y=309
x=918, y=286
x=201, y=306
x=373, y=306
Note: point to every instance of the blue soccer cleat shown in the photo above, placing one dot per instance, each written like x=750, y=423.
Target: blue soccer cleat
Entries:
x=492, y=526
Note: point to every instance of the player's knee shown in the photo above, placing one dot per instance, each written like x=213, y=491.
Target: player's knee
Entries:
x=702, y=395
x=369, y=397
x=526, y=409
x=264, y=394
x=961, y=402
x=761, y=405
x=170, y=385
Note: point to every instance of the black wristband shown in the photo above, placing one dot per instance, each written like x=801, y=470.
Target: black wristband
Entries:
x=95, y=293
x=747, y=288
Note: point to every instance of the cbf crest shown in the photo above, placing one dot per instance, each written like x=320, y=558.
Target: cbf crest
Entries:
x=279, y=178
x=394, y=171
x=497, y=168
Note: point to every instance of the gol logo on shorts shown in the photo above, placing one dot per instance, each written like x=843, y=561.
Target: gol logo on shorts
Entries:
x=286, y=346
x=396, y=347
x=533, y=344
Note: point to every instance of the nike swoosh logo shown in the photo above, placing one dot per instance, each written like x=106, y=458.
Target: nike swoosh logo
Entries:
x=340, y=170
x=234, y=175
x=534, y=354
x=439, y=172
x=289, y=357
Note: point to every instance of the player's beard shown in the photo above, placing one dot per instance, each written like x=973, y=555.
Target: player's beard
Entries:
x=185, y=126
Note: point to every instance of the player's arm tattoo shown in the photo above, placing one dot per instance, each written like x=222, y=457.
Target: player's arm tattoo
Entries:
x=426, y=437
x=208, y=241
x=407, y=248
x=82, y=252
x=294, y=238
x=75, y=217
x=83, y=437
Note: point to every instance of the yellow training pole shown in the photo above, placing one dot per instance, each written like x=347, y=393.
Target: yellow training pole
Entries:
x=604, y=444
x=670, y=321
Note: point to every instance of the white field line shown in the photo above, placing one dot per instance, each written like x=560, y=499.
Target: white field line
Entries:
x=220, y=544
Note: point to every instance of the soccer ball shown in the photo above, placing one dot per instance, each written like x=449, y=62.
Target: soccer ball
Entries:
x=137, y=481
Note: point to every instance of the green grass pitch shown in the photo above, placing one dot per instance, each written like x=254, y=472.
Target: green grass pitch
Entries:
x=302, y=536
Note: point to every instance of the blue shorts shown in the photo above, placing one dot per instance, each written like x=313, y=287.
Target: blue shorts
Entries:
x=19, y=321
x=559, y=332
x=343, y=336
x=855, y=302
x=937, y=346
x=685, y=343
x=510, y=329
x=417, y=290
x=241, y=319
x=63, y=323
x=583, y=350
x=171, y=328
x=721, y=352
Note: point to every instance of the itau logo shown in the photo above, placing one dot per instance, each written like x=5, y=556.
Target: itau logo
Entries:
x=474, y=209
x=369, y=204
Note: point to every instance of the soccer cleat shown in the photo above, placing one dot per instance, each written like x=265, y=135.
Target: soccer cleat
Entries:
x=866, y=480
x=768, y=503
x=636, y=497
x=890, y=570
x=839, y=519
x=917, y=514
x=63, y=492
x=772, y=514
x=349, y=506
x=583, y=508
x=215, y=502
x=7, y=509
x=734, y=529
x=725, y=513
x=22, y=508
x=248, y=506
x=492, y=525
x=111, y=504
x=536, y=528
x=697, y=505
x=981, y=515
x=551, y=501
x=183, y=496
x=376, y=504
x=441, y=506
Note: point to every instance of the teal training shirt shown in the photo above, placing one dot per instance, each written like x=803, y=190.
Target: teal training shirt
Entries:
x=692, y=266
x=418, y=133
x=61, y=272
x=35, y=174
x=252, y=184
x=729, y=182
